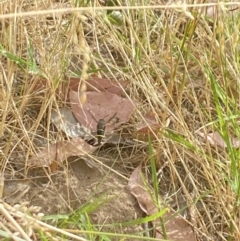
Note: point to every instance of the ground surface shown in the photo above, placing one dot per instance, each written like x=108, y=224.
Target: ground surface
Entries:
x=68, y=190
x=182, y=66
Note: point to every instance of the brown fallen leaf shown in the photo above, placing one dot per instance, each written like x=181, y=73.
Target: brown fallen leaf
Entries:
x=177, y=228
x=73, y=83
x=114, y=109
x=149, y=124
x=215, y=139
x=61, y=151
x=99, y=84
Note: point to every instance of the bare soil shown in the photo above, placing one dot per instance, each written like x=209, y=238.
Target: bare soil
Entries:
x=78, y=184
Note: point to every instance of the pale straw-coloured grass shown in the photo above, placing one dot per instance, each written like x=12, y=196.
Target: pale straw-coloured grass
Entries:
x=181, y=64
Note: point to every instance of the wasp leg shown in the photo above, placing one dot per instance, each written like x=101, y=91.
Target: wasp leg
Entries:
x=112, y=117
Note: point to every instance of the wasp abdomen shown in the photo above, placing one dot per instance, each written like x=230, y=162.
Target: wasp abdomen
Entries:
x=101, y=125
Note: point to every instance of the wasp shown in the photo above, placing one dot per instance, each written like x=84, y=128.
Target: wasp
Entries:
x=101, y=126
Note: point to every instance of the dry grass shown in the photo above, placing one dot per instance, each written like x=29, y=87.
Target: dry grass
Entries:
x=184, y=70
